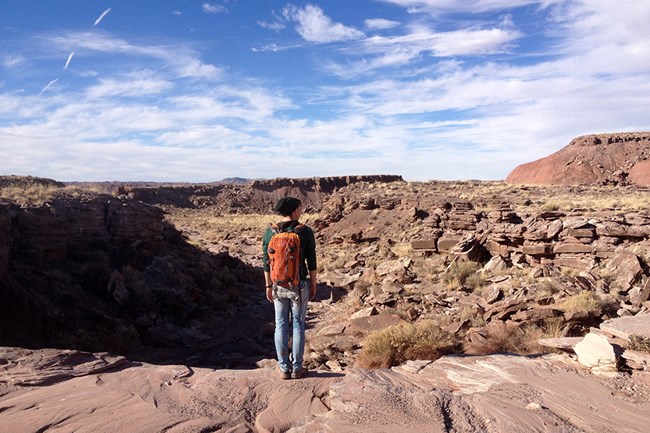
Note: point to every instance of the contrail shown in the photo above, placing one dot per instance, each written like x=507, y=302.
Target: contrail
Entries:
x=67, y=62
x=101, y=17
x=50, y=84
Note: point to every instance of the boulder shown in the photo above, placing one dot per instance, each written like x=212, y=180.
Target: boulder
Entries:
x=626, y=269
x=598, y=354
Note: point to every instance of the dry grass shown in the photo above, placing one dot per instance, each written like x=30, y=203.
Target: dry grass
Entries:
x=399, y=343
x=463, y=274
x=582, y=302
x=500, y=337
x=31, y=195
x=640, y=343
x=402, y=249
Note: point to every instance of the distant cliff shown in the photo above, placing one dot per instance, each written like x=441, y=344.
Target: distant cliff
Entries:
x=257, y=196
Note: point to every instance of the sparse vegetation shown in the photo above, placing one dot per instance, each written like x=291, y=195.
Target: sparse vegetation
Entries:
x=501, y=337
x=640, y=343
x=463, y=273
x=585, y=301
x=399, y=343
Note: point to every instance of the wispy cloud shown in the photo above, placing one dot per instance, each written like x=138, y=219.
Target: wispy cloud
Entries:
x=467, y=6
x=315, y=26
x=67, y=62
x=101, y=17
x=12, y=61
x=380, y=24
x=379, y=52
x=138, y=84
x=269, y=47
x=213, y=9
x=49, y=86
x=276, y=26
x=184, y=60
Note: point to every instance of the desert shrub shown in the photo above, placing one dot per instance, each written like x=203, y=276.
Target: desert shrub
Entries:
x=582, y=302
x=398, y=343
x=459, y=273
x=475, y=280
x=500, y=337
x=472, y=315
x=640, y=343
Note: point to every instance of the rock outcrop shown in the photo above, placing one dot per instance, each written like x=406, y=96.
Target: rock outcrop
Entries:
x=601, y=159
x=72, y=391
x=99, y=272
x=257, y=196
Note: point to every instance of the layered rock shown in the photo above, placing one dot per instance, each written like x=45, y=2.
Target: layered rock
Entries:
x=100, y=272
x=616, y=159
x=74, y=391
x=258, y=196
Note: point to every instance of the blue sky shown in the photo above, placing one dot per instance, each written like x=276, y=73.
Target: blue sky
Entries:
x=202, y=90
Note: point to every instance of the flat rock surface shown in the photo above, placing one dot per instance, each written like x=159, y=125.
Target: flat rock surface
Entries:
x=623, y=327
x=497, y=393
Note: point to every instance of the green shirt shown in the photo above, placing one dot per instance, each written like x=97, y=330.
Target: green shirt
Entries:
x=307, y=247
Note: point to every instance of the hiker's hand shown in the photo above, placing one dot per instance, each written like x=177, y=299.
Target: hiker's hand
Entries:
x=312, y=292
x=269, y=294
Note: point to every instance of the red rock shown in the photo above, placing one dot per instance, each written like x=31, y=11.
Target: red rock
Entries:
x=590, y=159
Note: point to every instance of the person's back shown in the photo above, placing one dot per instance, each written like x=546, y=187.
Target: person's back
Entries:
x=289, y=300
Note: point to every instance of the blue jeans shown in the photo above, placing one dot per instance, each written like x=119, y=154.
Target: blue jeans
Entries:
x=290, y=304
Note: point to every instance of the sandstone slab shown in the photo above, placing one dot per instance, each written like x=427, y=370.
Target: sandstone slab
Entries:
x=624, y=327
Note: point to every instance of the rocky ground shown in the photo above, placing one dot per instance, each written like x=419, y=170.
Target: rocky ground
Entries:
x=67, y=391
x=501, y=268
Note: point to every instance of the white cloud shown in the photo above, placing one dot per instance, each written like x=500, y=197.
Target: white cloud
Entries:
x=276, y=26
x=185, y=61
x=190, y=67
x=397, y=51
x=12, y=61
x=380, y=24
x=216, y=136
x=466, y=6
x=472, y=42
x=315, y=26
x=131, y=85
x=101, y=17
x=67, y=62
x=48, y=86
x=213, y=9
x=268, y=47
x=611, y=38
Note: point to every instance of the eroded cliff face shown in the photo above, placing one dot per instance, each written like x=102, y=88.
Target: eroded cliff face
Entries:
x=98, y=272
x=599, y=159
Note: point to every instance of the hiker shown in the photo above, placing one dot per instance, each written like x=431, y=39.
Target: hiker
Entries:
x=291, y=292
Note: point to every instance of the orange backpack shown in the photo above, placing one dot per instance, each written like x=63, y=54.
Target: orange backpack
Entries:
x=284, y=257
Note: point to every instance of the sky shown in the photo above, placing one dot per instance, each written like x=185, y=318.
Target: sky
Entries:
x=198, y=91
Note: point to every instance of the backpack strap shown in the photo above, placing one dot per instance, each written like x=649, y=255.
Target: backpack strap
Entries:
x=292, y=228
